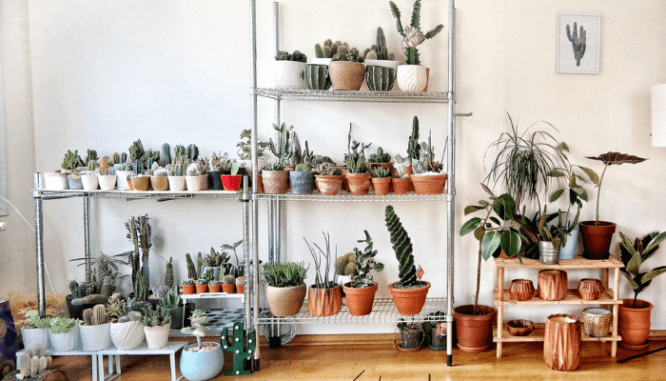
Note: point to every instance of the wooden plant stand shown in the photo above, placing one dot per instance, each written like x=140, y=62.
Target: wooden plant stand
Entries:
x=608, y=298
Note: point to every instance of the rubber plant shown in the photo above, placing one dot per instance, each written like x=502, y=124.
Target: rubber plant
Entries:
x=633, y=256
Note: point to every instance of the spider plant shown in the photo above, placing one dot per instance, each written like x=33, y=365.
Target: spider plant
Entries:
x=523, y=161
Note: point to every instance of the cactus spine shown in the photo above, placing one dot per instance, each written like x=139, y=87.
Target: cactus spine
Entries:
x=166, y=155
x=578, y=41
x=168, y=277
x=413, y=147
x=191, y=270
x=402, y=246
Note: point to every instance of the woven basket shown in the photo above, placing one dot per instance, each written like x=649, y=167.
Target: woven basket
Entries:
x=596, y=321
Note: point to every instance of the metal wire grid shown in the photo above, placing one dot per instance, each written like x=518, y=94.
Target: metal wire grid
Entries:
x=383, y=311
x=346, y=196
x=127, y=194
x=353, y=96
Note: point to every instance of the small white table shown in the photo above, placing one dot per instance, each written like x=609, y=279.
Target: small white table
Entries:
x=77, y=352
x=171, y=348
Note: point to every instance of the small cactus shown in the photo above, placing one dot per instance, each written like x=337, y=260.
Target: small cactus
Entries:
x=193, y=152
x=296, y=56
x=116, y=158
x=380, y=172
x=191, y=269
x=138, y=167
x=303, y=168
x=282, y=148
x=380, y=156
x=168, y=277
x=379, y=50
x=188, y=282
x=91, y=155
x=240, y=281
x=92, y=166
x=345, y=265
x=166, y=155
x=229, y=279
x=413, y=147
x=71, y=160
x=352, y=56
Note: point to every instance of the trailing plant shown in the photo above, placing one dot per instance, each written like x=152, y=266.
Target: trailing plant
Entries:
x=61, y=325
x=402, y=246
x=295, y=56
x=633, y=256
x=33, y=320
x=380, y=156
x=156, y=317
x=379, y=50
x=322, y=261
x=245, y=146
x=365, y=261
x=288, y=274
x=329, y=49
x=380, y=172
x=412, y=34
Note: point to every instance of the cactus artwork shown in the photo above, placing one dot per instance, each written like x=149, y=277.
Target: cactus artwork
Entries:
x=578, y=41
x=240, y=348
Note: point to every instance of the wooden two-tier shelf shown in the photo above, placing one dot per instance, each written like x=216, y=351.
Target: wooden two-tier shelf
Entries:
x=608, y=299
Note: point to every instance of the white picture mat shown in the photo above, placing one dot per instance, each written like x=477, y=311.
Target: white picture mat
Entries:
x=566, y=62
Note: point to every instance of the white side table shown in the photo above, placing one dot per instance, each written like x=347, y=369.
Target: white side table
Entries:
x=48, y=352
x=171, y=348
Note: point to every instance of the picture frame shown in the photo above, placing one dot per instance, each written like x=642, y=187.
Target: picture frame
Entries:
x=572, y=56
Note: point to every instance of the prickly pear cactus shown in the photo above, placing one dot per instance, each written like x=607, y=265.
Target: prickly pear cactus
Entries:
x=402, y=246
x=241, y=349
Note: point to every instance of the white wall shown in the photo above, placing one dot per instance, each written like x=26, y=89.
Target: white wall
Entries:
x=105, y=73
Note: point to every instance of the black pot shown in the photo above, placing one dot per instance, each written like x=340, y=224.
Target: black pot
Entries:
x=176, y=317
x=76, y=312
x=215, y=180
x=302, y=182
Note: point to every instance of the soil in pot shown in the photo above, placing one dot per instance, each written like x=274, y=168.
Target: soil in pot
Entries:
x=359, y=183
x=382, y=185
x=329, y=185
x=360, y=300
x=285, y=301
x=324, y=301
x=199, y=364
x=429, y=184
x=597, y=237
x=346, y=75
x=634, y=323
x=275, y=182
x=159, y=183
x=409, y=301
x=474, y=332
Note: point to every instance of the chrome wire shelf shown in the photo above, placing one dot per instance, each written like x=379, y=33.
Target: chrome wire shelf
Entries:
x=346, y=196
x=383, y=311
x=353, y=96
x=133, y=195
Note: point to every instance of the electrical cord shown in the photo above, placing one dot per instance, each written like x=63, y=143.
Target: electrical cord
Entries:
x=293, y=330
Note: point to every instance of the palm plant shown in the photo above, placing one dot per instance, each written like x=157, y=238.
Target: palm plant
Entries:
x=633, y=257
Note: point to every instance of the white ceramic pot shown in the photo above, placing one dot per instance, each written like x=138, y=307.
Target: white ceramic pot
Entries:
x=383, y=63
x=127, y=335
x=288, y=75
x=65, y=342
x=177, y=183
x=157, y=337
x=96, y=337
x=196, y=183
x=320, y=61
x=412, y=78
x=107, y=182
x=122, y=179
x=35, y=336
x=55, y=180
x=90, y=182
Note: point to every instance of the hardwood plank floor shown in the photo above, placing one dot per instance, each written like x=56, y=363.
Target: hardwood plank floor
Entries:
x=521, y=361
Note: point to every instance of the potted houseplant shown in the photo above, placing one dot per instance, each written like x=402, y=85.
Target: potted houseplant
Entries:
x=381, y=180
x=200, y=361
x=196, y=176
x=496, y=230
x=302, y=179
x=215, y=285
x=217, y=166
x=231, y=180
x=202, y=285
x=228, y=283
x=324, y=296
x=380, y=66
x=140, y=181
x=358, y=176
x=317, y=77
x=156, y=326
x=172, y=304
x=276, y=179
x=597, y=235
x=159, y=179
x=427, y=178
x=34, y=330
x=288, y=69
x=634, y=314
x=285, y=290
x=107, y=175
x=409, y=294
x=63, y=334
x=240, y=283
x=126, y=327
x=327, y=51
x=70, y=163
x=89, y=179
x=361, y=290
x=412, y=76
x=95, y=329
x=329, y=179
x=188, y=286
x=124, y=173
x=214, y=262
x=56, y=180
x=381, y=159
x=412, y=335
x=176, y=177
x=245, y=152
x=550, y=240
x=347, y=70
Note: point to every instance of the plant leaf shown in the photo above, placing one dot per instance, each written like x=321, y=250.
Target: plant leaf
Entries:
x=656, y=271
x=556, y=173
x=511, y=243
x=490, y=243
x=556, y=195
x=470, y=226
x=591, y=174
x=472, y=208
x=632, y=282
x=655, y=242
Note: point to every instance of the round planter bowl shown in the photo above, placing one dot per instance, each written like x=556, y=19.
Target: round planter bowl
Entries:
x=412, y=78
x=360, y=300
x=275, y=182
x=521, y=289
x=590, y=289
x=90, y=182
x=302, y=182
x=597, y=239
x=429, y=184
x=474, y=332
x=288, y=75
x=285, y=301
x=409, y=301
x=157, y=337
x=141, y=183
x=128, y=335
x=196, y=183
x=379, y=78
x=401, y=185
x=96, y=337
x=520, y=327
x=177, y=183
x=107, y=182
x=316, y=77
x=159, y=183
x=329, y=185
x=346, y=75
x=201, y=366
x=55, y=180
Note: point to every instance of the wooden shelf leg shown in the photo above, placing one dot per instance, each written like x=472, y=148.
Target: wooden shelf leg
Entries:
x=616, y=309
x=500, y=309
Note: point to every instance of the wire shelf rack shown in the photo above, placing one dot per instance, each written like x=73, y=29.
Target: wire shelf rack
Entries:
x=353, y=96
x=346, y=196
x=133, y=195
x=383, y=311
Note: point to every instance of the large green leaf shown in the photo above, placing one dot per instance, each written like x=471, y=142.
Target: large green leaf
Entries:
x=485, y=188
x=591, y=174
x=472, y=208
x=626, y=243
x=556, y=195
x=655, y=242
x=489, y=243
x=635, y=263
x=656, y=271
x=478, y=233
x=505, y=207
x=470, y=226
x=632, y=283
x=556, y=173
x=578, y=189
x=511, y=243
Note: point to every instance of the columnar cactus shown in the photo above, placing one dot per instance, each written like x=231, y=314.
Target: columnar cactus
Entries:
x=296, y=56
x=578, y=41
x=168, y=277
x=70, y=161
x=282, y=148
x=402, y=245
x=140, y=288
x=138, y=167
x=92, y=166
x=116, y=158
x=123, y=158
x=297, y=152
x=380, y=156
x=413, y=148
x=91, y=155
x=193, y=152
x=379, y=50
x=330, y=49
x=166, y=155
x=191, y=270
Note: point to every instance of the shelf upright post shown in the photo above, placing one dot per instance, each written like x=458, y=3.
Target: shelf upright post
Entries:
x=451, y=189
x=245, y=202
x=39, y=241
x=255, y=164
x=276, y=233
x=86, y=237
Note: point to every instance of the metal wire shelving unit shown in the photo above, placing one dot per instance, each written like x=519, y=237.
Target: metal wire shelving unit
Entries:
x=348, y=197
x=353, y=96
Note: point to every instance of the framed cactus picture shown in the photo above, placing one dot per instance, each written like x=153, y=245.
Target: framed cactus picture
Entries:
x=578, y=43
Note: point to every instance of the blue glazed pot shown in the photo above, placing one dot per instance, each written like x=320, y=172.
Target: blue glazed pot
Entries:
x=201, y=366
x=74, y=183
x=216, y=271
x=568, y=251
x=301, y=182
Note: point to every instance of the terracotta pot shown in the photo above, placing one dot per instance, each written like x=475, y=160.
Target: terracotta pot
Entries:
x=360, y=300
x=329, y=185
x=590, y=289
x=196, y=183
x=285, y=301
x=562, y=342
x=634, y=323
x=409, y=301
x=159, y=183
x=410, y=171
x=202, y=288
x=177, y=183
x=382, y=185
x=359, y=183
x=188, y=289
x=475, y=332
x=401, y=185
x=228, y=288
x=231, y=182
x=388, y=166
x=275, y=182
x=597, y=238
x=521, y=289
x=429, y=184
x=324, y=301
x=240, y=288
x=129, y=185
x=141, y=183
x=553, y=284
x=260, y=183
x=346, y=75
x=214, y=288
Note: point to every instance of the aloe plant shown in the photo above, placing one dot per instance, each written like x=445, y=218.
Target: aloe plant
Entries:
x=633, y=256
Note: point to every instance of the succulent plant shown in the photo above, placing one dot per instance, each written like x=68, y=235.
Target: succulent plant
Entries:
x=329, y=169
x=207, y=275
x=284, y=274
x=412, y=34
x=155, y=317
x=295, y=56
x=413, y=147
x=33, y=320
x=282, y=148
x=138, y=167
x=92, y=166
x=245, y=146
x=215, y=282
x=71, y=160
x=202, y=281
x=191, y=269
x=303, y=168
x=139, y=232
x=160, y=172
x=379, y=50
x=192, y=152
x=240, y=280
x=137, y=152
x=357, y=166
x=352, y=56
x=123, y=157
x=402, y=245
x=322, y=261
x=140, y=288
x=215, y=259
x=188, y=282
x=168, y=276
x=380, y=156
x=329, y=49
x=61, y=325
x=116, y=158
x=171, y=299
x=229, y=279
x=365, y=261
x=95, y=316
x=220, y=163
x=427, y=161
x=380, y=172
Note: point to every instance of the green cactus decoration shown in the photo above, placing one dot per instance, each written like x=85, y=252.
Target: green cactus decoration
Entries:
x=412, y=34
x=123, y=158
x=178, y=153
x=413, y=147
x=191, y=270
x=578, y=41
x=193, y=152
x=138, y=167
x=402, y=246
x=357, y=166
x=365, y=261
x=242, y=349
x=136, y=150
x=379, y=50
x=165, y=158
x=380, y=172
x=352, y=56
x=168, y=277
x=282, y=148
x=71, y=160
x=380, y=156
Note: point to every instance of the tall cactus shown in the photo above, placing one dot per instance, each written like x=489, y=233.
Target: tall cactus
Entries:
x=193, y=152
x=123, y=158
x=578, y=41
x=168, y=277
x=413, y=147
x=297, y=156
x=191, y=270
x=402, y=246
x=141, y=288
x=241, y=349
x=165, y=158
x=138, y=167
x=282, y=148
x=138, y=232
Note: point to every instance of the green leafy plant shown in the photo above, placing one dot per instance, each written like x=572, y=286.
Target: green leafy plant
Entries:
x=402, y=246
x=61, y=325
x=295, y=56
x=33, y=320
x=245, y=146
x=412, y=34
x=365, y=261
x=322, y=261
x=288, y=274
x=633, y=256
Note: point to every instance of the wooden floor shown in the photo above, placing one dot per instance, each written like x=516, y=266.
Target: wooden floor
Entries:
x=522, y=361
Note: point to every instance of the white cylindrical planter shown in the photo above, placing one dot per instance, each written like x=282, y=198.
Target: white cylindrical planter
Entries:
x=35, y=336
x=107, y=182
x=412, y=78
x=96, y=337
x=122, y=179
x=55, y=181
x=320, y=61
x=288, y=75
x=196, y=183
x=65, y=342
x=127, y=335
x=177, y=183
x=157, y=337
x=90, y=182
